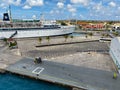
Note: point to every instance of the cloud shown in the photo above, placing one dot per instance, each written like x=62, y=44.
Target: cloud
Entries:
x=112, y=4
x=51, y=12
x=98, y=7
x=84, y=2
x=103, y=10
x=26, y=7
x=14, y=2
x=34, y=17
x=57, y=11
x=60, y=5
x=81, y=16
x=71, y=8
x=84, y=9
x=5, y=3
x=73, y=14
x=1, y=14
x=34, y=2
x=118, y=8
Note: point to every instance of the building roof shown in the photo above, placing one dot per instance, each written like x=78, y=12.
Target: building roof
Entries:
x=118, y=38
x=82, y=23
x=116, y=24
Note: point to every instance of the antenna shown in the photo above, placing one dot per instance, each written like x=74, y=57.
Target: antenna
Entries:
x=10, y=13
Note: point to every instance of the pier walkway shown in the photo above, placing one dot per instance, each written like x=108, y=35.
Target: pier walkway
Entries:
x=80, y=77
x=88, y=79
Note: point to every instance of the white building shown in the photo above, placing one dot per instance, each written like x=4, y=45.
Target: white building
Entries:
x=115, y=51
x=116, y=27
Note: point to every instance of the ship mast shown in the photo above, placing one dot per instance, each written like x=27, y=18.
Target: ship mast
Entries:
x=10, y=13
x=42, y=18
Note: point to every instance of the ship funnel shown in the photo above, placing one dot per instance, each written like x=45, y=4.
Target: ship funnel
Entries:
x=6, y=17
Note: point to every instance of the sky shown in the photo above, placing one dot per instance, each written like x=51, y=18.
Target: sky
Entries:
x=62, y=9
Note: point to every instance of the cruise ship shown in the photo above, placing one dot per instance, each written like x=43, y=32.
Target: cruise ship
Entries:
x=42, y=28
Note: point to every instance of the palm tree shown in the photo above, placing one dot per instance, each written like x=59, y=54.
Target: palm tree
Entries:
x=86, y=35
x=90, y=34
x=107, y=35
x=40, y=40
x=116, y=33
x=71, y=37
x=103, y=34
x=48, y=38
x=107, y=26
x=5, y=40
x=66, y=37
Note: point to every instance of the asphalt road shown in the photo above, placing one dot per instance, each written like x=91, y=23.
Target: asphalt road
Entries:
x=54, y=51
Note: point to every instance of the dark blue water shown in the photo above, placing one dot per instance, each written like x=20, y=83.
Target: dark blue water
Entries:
x=14, y=82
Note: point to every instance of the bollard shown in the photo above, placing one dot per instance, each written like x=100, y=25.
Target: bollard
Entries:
x=115, y=75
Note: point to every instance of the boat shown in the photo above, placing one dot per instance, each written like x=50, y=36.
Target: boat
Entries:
x=42, y=28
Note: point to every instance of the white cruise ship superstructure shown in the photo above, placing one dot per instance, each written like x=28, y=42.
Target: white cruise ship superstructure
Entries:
x=32, y=29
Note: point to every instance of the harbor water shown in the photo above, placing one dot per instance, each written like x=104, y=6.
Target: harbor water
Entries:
x=15, y=82
x=75, y=34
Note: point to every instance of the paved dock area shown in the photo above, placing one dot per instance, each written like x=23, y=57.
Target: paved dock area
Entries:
x=94, y=60
x=90, y=79
x=28, y=47
x=75, y=54
x=66, y=74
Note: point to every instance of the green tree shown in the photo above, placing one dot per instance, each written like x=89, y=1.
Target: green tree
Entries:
x=116, y=33
x=90, y=34
x=107, y=26
x=63, y=23
x=107, y=35
x=110, y=22
x=71, y=37
x=48, y=38
x=80, y=27
x=103, y=34
x=86, y=35
x=66, y=37
x=5, y=40
x=40, y=39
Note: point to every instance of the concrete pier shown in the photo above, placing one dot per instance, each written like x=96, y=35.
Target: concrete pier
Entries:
x=80, y=77
x=65, y=74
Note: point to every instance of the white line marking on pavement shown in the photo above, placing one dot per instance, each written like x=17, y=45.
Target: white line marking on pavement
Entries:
x=38, y=70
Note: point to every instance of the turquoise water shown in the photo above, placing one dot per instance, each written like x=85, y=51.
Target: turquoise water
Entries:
x=77, y=34
x=14, y=82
